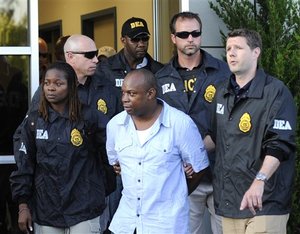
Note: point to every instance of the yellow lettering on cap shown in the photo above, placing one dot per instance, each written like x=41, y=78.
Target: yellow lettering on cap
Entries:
x=132, y=25
x=136, y=24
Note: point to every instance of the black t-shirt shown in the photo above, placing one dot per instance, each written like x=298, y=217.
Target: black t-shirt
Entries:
x=189, y=77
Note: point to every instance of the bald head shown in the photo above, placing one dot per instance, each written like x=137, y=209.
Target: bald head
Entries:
x=43, y=56
x=79, y=42
x=43, y=47
x=143, y=77
x=81, y=53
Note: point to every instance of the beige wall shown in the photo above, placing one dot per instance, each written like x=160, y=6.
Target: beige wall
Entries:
x=69, y=11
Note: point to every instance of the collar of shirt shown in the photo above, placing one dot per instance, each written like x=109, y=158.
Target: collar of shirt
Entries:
x=53, y=115
x=125, y=66
x=124, y=118
x=178, y=67
x=86, y=83
x=257, y=86
x=144, y=63
x=236, y=88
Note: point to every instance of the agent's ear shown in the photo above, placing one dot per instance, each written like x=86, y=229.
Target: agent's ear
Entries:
x=69, y=57
x=123, y=40
x=257, y=52
x=173, y=39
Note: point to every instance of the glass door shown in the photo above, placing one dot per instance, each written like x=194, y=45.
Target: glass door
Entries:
x=18, y=81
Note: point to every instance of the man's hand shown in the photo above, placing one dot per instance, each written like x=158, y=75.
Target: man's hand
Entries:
x=25, y=221
x=252, y=199
x=188, y=169
x=117, y=168
x=194, y=180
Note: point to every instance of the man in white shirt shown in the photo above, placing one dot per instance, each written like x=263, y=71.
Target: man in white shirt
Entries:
x=151, y=141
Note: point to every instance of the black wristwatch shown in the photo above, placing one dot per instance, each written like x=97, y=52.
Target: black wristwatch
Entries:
x=261, y=176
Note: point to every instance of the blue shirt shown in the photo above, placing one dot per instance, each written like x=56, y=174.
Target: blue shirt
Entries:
x=154, y=196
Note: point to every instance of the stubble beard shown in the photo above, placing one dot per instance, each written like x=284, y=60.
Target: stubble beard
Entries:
x=189, y=52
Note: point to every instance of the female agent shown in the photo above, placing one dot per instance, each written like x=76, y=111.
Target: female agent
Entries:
x=59, y=182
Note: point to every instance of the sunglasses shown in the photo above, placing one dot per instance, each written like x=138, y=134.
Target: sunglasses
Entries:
x=138, y=39
x=185, y=34
x=87, y=54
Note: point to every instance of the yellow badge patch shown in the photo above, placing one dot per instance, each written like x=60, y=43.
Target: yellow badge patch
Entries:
x=76, y=138
x=245, y=122
x=210, y=93
x=102, y=106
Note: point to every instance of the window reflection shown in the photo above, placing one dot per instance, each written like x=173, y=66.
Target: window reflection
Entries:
x=13, y=107
x=13, y=22
x=13, y=97
x=14, y=80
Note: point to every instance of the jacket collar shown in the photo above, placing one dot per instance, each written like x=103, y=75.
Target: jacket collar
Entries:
x=118, y=61
x=256, y=88
x=209, y=62
x=53, y=115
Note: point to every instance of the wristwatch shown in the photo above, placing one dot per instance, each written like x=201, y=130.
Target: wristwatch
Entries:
x=261, y=176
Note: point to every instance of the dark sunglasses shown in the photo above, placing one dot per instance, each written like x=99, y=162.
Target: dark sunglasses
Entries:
x=43, y=55
x=87, y=54
x=138, y=39
x=185, y=34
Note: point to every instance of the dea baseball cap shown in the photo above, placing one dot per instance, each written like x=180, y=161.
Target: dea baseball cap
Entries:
x=134, y=27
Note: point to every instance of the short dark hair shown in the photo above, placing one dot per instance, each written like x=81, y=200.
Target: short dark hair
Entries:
x=252, y=37
x=59, y=48
x=185, y=14
x=147, y=76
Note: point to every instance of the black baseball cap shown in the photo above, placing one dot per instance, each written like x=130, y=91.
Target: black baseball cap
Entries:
x=134, y=27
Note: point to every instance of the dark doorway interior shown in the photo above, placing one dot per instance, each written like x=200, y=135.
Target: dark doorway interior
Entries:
x=50, y=33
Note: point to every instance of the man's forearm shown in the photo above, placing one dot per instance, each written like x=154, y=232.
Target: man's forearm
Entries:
x=269, y=166
x=208, y=143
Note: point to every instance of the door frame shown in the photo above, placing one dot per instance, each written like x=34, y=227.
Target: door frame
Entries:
x=87, y=22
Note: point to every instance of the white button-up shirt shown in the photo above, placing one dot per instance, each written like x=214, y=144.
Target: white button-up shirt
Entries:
x=154, y=197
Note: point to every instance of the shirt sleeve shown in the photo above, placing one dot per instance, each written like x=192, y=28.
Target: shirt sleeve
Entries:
x=110, y=143
x=191, y=144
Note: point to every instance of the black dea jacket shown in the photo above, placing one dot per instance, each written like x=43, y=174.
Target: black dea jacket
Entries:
x=60, y=174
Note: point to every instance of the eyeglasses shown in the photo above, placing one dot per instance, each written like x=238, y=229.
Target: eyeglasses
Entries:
x=87, y=54
x=43, y=55
x=185, y=34
x=138, y=39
